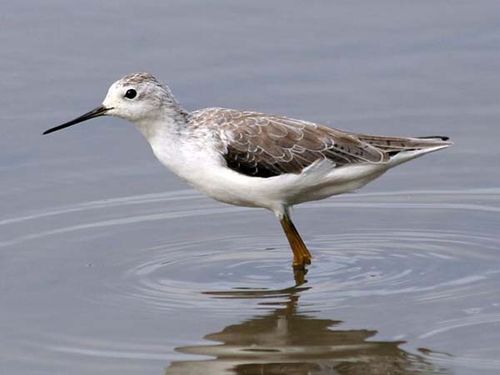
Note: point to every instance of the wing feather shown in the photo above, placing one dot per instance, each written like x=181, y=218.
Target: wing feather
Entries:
x=263, y=145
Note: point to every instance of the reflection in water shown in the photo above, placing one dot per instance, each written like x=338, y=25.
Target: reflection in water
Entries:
x=286, y=341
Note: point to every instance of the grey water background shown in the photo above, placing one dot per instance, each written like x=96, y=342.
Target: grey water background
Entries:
x=110, y=264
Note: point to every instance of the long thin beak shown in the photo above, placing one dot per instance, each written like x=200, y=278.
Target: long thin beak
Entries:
x=99, y=111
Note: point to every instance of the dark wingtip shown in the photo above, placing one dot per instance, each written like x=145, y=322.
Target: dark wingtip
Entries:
x=441, y=137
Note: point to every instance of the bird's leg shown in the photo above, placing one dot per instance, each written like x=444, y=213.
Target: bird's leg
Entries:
x=301, y=256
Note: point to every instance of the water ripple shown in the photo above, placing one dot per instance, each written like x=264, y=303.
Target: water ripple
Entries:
x=405, y=264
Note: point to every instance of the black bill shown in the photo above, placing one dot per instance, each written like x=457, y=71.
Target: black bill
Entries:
x=99, y=111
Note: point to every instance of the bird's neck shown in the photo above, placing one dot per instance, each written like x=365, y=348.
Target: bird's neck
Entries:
x=165, y=131
x=168, y=123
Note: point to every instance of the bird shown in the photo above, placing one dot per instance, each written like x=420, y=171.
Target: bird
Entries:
x=253, y=159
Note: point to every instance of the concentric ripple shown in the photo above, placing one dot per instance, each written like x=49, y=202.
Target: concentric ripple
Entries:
x=177, y=275
x=405, y=254
x=427, y=265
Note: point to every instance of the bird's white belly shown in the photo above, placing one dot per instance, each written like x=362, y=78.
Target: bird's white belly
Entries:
x=274, y=193
x=225, y=185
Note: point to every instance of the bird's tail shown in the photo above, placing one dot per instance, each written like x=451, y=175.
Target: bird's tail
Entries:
x=401, y=149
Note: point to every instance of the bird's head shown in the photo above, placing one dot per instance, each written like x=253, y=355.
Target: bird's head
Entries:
x=137, y=97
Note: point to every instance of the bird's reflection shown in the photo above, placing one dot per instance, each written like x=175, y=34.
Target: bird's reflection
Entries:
x=286, y=341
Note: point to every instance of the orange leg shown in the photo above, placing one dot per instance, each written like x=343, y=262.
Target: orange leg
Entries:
x=301, y=256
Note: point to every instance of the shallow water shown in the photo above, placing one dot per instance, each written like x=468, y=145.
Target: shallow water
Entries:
x=109, y=264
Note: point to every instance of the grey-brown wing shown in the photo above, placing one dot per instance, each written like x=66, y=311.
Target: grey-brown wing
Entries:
x=264, y=145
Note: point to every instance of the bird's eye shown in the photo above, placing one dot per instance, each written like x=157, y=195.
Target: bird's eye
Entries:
x=130, y=94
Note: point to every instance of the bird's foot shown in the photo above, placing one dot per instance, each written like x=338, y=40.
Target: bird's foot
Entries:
x=299, y=268
x=299, y=274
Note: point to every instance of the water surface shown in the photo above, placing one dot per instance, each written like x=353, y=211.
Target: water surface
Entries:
x=110, y=264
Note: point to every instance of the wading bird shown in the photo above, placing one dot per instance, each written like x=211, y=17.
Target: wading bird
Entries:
x=255, y=159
